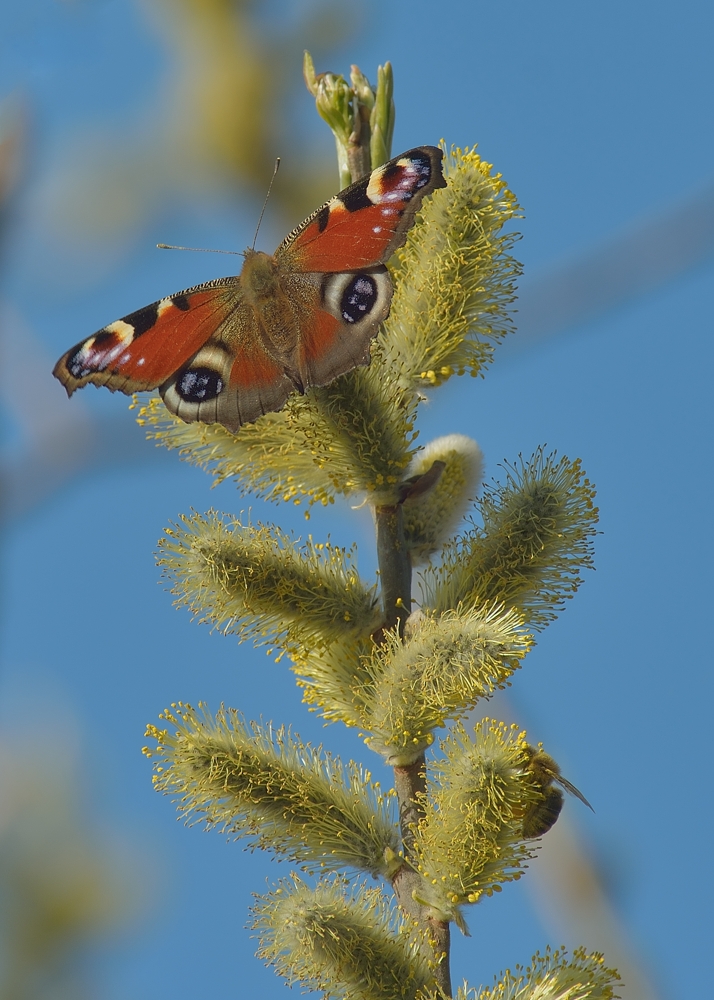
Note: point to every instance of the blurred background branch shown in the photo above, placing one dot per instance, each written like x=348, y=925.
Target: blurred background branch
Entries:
x=66, y=886
x=225, y=101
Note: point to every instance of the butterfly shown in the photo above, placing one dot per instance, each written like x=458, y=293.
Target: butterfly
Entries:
x=232, y=349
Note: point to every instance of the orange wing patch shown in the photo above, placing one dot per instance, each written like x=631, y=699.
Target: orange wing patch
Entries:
x=175, y=337
x=349, y=241
x=317, y=341
x=363, y=225
x=254, y=367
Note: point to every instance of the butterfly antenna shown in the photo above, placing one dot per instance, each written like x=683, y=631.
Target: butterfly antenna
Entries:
x=262, y=211
x=168, y=246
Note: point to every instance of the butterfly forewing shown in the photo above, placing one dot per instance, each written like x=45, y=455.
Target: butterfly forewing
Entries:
x=142, y=350
x=364, y=224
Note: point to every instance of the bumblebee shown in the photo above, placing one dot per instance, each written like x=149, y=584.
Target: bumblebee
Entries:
x=540, y=816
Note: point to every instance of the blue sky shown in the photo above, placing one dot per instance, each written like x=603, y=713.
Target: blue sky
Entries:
x=596, y=115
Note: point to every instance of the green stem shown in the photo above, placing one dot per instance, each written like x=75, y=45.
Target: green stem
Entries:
x=440, y=932
x=410, y=786
x=358, y=145
x=409, y=781
x=394, y=567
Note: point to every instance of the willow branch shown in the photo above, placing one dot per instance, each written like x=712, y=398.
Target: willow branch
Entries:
x=409, y=781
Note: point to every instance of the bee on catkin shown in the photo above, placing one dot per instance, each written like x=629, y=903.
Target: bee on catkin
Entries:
x=541, y=815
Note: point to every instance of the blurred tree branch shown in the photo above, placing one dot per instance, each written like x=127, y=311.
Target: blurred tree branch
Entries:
x=218, y=120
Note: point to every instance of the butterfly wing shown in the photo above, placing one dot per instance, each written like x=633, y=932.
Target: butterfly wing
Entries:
x=346, y=243
x=335, y=334
x=232, y=380
x=363, y=225
x=199, y=346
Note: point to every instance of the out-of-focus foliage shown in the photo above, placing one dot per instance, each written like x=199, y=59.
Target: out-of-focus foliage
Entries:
x=221, y=113
x=12, y=128
x=62, y=886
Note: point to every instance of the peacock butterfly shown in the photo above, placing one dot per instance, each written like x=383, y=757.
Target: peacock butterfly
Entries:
x=231, y=349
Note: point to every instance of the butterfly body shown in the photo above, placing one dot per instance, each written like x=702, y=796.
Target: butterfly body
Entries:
x=234, y=348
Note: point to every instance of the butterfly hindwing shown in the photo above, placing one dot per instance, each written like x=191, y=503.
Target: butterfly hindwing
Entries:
x=337, y=339
x=232, y=380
